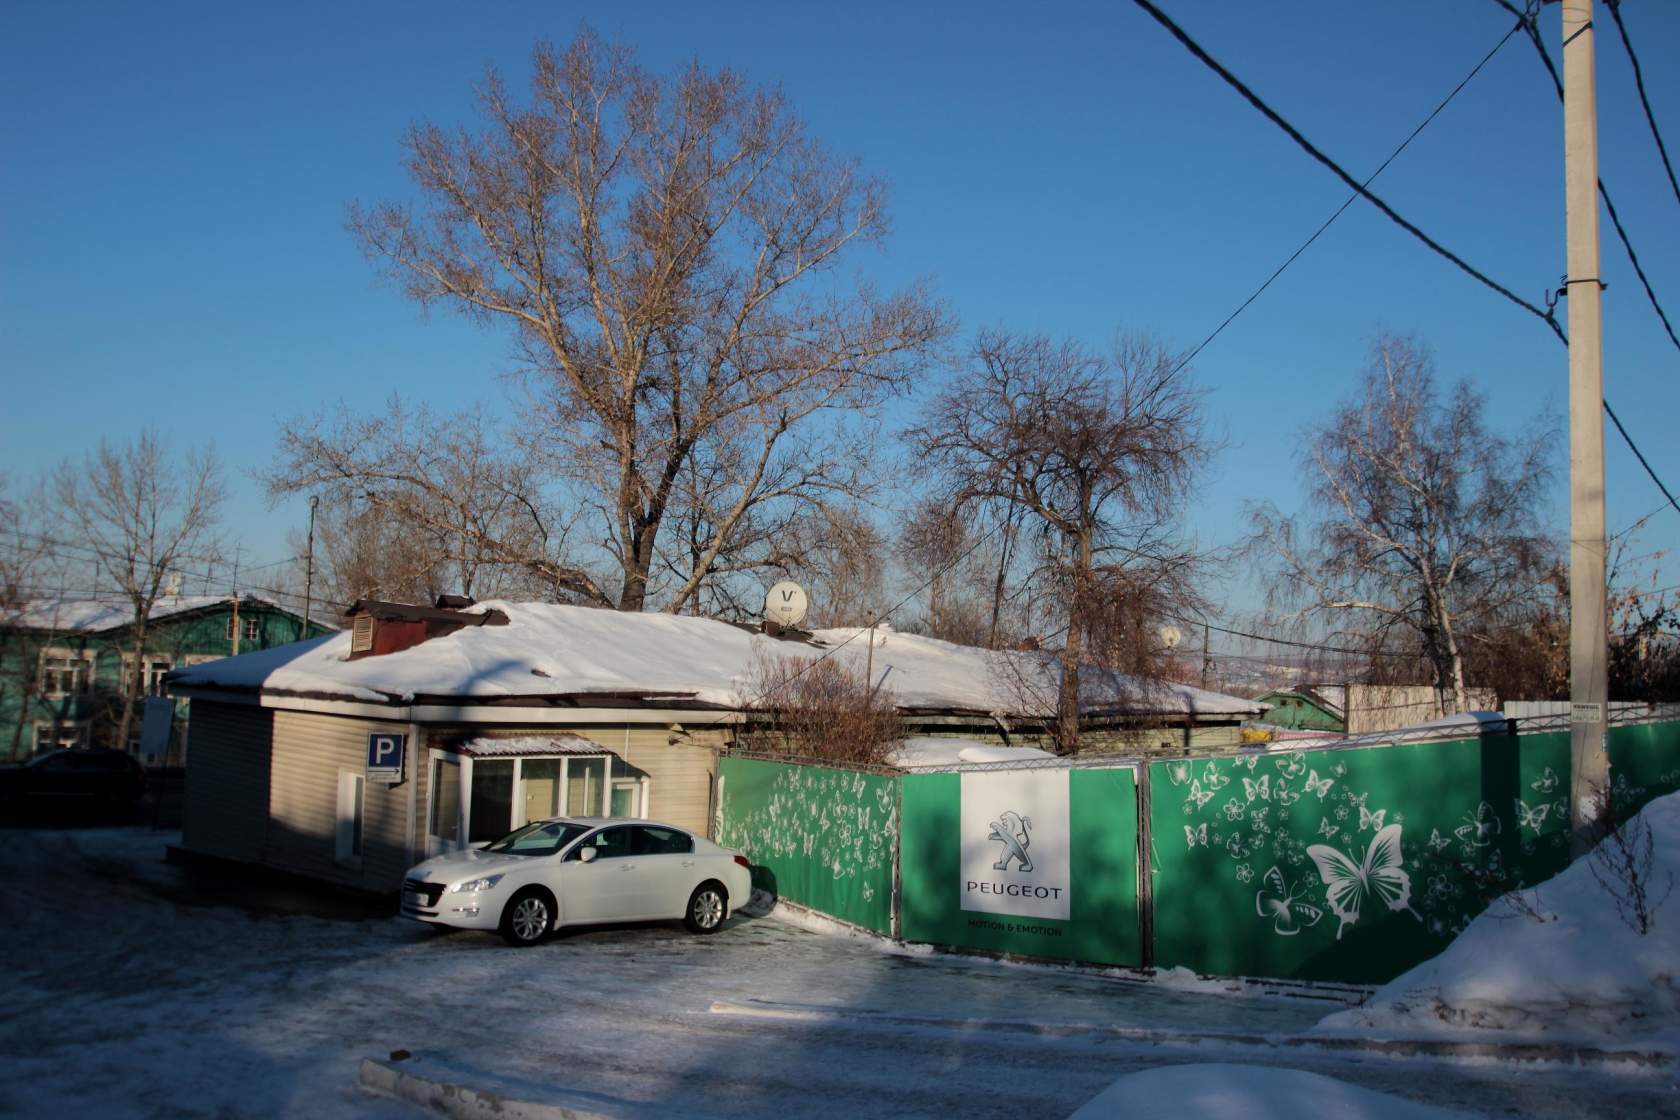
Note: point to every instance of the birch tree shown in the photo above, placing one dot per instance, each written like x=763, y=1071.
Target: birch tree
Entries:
x=664, y=251
x=1419, y=519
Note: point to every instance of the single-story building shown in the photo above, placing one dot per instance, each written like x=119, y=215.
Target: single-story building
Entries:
x=418, y=730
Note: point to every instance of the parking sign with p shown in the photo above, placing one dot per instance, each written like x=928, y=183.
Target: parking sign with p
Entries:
x=385, y=756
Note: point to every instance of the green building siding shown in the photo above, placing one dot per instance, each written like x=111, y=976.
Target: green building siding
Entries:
x=1292, y=710
x=93, y=712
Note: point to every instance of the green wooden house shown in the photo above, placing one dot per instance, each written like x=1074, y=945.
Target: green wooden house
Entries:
x=62, y=663
x=1317, y=708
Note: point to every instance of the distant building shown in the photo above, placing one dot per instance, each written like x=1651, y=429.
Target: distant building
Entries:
x=1307, y=708
x=66, y=665
x=1361, y=709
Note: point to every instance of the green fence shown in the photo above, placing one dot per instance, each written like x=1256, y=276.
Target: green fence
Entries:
x=962, y=887
x=1349, y=865
x=818, y=836
x=1356, y=864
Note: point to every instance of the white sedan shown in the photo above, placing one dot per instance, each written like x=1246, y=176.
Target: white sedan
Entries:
x=579, y=871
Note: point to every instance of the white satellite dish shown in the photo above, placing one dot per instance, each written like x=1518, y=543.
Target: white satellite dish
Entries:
x=786, y=603
x=1171, y=636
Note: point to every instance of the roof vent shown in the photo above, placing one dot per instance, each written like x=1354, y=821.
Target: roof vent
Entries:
x=453, y=602
x=361, y=634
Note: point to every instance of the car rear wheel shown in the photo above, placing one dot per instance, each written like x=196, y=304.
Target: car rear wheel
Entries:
x=528, y=918
x=706, y=908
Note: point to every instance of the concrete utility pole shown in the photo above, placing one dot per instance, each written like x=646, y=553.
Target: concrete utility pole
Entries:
x=1589, y=642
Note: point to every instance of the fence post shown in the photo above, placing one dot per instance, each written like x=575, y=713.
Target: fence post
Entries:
x=1145, y=873
x=895, y=910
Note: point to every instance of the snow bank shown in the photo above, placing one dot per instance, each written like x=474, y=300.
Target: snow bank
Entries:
x=1220, y=1091
x=1578, y=974
x=925, y=751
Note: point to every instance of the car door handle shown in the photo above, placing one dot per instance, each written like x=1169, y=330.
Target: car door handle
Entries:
x=688, y=863
x=627, y=867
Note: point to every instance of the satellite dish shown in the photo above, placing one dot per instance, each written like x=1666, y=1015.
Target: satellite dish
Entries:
x=1171, y=636
x=786, y=603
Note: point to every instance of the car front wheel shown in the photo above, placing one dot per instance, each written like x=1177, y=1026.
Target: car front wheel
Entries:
x=527, y=918
x=706, y=907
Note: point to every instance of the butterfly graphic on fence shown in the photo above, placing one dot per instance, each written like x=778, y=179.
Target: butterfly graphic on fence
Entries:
x=1436, y=840
x=1479, y=828
x=1178, y=772
x=1349, y=886
x=1198, y=796
x=1318, y=785
x=1213, y=778
x=1326, y=829
x=1290, y=766
x=1261, y=789
x=1531, y=818
x=1368, y=819
x=1285, y=796
x=1194, y=836
x=1546, y=783
x=1236, y=847
x=1277, y=900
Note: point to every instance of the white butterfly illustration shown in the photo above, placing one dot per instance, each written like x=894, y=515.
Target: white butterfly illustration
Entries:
x=1236, y=847
x=1213, y=778
x=1318, y=785
x=1326, y=829
x=1285, y=796
x=1198, y=795
x=1531, y=818
x=1479, y=829
x=1546, y=783
x=1348, y=886
x=1356, y=799
x=1340, y=770
x=1194, y=836
x=1261, y=789
x=1368, y=819
x=1277, y=900
x=1178, y=772
x=1436, y=840
x=1290, y=766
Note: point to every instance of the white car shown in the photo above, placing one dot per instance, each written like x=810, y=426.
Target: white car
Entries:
x=579, y=871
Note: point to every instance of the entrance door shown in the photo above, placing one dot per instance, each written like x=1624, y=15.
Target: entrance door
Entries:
x=443, y=797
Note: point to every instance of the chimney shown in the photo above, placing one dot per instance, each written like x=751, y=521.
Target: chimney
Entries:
x=378, y=627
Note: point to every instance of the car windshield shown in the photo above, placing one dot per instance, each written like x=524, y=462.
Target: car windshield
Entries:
x=540, y=838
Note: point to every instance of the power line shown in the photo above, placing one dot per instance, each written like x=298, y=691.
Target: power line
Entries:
x=1307, y=146
x=1525, y=22
x=1328, y=222
x=1644, y=101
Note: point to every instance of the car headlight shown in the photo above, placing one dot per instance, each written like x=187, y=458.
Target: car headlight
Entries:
x=483, y=884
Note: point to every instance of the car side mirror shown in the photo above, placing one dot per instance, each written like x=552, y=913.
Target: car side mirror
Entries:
x=587, y=855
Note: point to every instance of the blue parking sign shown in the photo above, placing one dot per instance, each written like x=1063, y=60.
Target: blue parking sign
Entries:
x=385, y=756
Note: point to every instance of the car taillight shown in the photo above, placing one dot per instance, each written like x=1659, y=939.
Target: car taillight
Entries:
x=742, y=860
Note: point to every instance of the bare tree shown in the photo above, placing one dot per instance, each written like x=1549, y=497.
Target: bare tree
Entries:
x=417, y=501
x=1097, y=453
x=664, y=251
x=1420, y=518
x=32, y=581
x=139, y=511
x=819, y=709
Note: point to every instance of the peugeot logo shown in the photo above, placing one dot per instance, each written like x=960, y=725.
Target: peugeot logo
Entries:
x=1011, y=830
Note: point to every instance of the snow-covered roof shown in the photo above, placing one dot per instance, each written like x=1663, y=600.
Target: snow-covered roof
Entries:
x=1464, y=725
x=521, y=745
x=89, y=615
x=547, y=650
x=921, y=751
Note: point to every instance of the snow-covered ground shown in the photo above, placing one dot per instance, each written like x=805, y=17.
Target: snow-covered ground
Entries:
x=1554, y=964
x=131, y=991
x=1217, y=1091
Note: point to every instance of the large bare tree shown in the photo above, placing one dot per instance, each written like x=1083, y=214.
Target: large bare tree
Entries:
x=1097, y=453
x=664, y=250
x=1420, y=520
x=138, y=509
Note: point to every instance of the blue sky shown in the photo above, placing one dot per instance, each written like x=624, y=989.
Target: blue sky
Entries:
x=173, y=180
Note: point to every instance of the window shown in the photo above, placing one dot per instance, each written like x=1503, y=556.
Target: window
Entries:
x=490, y=814
x=250, y=629
x=609, y=843
x=152, y=669
x=584, y=780
x=541, y=839
x=60, y=736
x=351, y=788
x=649, y=841
x=65, y=674
x=626, y=798
x=446, y=800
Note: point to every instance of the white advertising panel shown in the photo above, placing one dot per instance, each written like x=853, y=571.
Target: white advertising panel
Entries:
x=1015, y=843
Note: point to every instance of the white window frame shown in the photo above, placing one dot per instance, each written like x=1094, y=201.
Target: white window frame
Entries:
x=516, y=815
x=148, y=662
x=253, y=629
x=350, y=832
x=89, y=666
x=66, y=734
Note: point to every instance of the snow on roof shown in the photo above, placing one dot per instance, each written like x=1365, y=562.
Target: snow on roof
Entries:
x=1464, y=725
x=65, y=615
x=550, y=650
x=487, y=747
x=921, y=751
